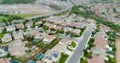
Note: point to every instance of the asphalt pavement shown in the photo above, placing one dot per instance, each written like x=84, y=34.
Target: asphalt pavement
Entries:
x=75, y=57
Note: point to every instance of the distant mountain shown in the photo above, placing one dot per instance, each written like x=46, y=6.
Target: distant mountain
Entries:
x=106, y=1
x=16, y=1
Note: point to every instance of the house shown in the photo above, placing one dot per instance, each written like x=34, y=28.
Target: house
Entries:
x=50, y=25
x=65, y=42
x=33, y=32
x=51, y=56
x=104, y=28
x=75, y=24
x=58, y=28
x=71, y=24
x=38, y=23
x=20, y=26
x=66, y=29
x=29, y=24
x=53, y=19
x=63, y=23
x=96, y=59
x=10, y=28
x=6, y=38
x=98, y=51
x=60, y=47
x=17, y=48
x=1, y=29
x=79, y=25
x=80, y=18
x=4, y=60
x=101, y=40
x=76, y=31
x=48, y=38
x=18, y=35
x=47, y=24
x=92, y=21
x=39, y=36
x=39, y=62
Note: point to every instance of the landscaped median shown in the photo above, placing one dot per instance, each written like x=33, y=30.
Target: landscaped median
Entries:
x=87, y=52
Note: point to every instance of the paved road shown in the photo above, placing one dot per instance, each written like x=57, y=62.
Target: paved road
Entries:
x=75, y=57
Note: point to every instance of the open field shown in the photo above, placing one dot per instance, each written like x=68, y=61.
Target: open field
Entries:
x=28, y=15
x=8, y=18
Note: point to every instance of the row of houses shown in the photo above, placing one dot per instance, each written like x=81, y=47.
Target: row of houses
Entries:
x=13, y=27
x=67, y=23
x=18, y=37
x=71, y=26
x=17, y=40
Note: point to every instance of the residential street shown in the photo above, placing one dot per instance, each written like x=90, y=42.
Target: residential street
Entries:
x=75, y=57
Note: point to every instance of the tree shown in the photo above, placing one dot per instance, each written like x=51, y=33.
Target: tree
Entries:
x=60, y=31
x=98, y=19
x=83, y=60
x=111, y=60
x=52, y=29
x=45, y=28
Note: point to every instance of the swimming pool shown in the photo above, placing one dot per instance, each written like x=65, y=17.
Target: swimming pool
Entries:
x=31, y=61
x=40, y=56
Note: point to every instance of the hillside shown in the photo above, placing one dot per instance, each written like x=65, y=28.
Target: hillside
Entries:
x=16, y=1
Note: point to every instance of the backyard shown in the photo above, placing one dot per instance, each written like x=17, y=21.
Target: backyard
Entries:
x=63, y=58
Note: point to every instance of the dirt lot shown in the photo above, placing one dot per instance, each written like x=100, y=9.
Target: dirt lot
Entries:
x=118, y=50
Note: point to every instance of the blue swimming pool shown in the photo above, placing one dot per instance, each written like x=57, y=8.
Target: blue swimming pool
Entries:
x=0, y=52
x=31, y=61
x=14, y=61
x=40, y=56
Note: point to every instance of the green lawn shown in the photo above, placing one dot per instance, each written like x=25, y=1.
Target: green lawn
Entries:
x=73, y=44
x=1, y=35
x=28, y=15
x=8, y=18
x=63, y=58
x=69, y=49
x=51, y=45
x=41, y=44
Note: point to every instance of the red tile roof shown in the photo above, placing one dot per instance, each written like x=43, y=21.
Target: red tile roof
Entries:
x=96, y=59
x=104, y=28
x=100, y=40
x=65, y=41
x=4, y=60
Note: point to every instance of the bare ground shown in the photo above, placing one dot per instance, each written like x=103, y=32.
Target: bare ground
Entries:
x=117, y=50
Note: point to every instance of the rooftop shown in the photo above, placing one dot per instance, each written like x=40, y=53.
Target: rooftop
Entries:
x=96, y=59
x=4, y=60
